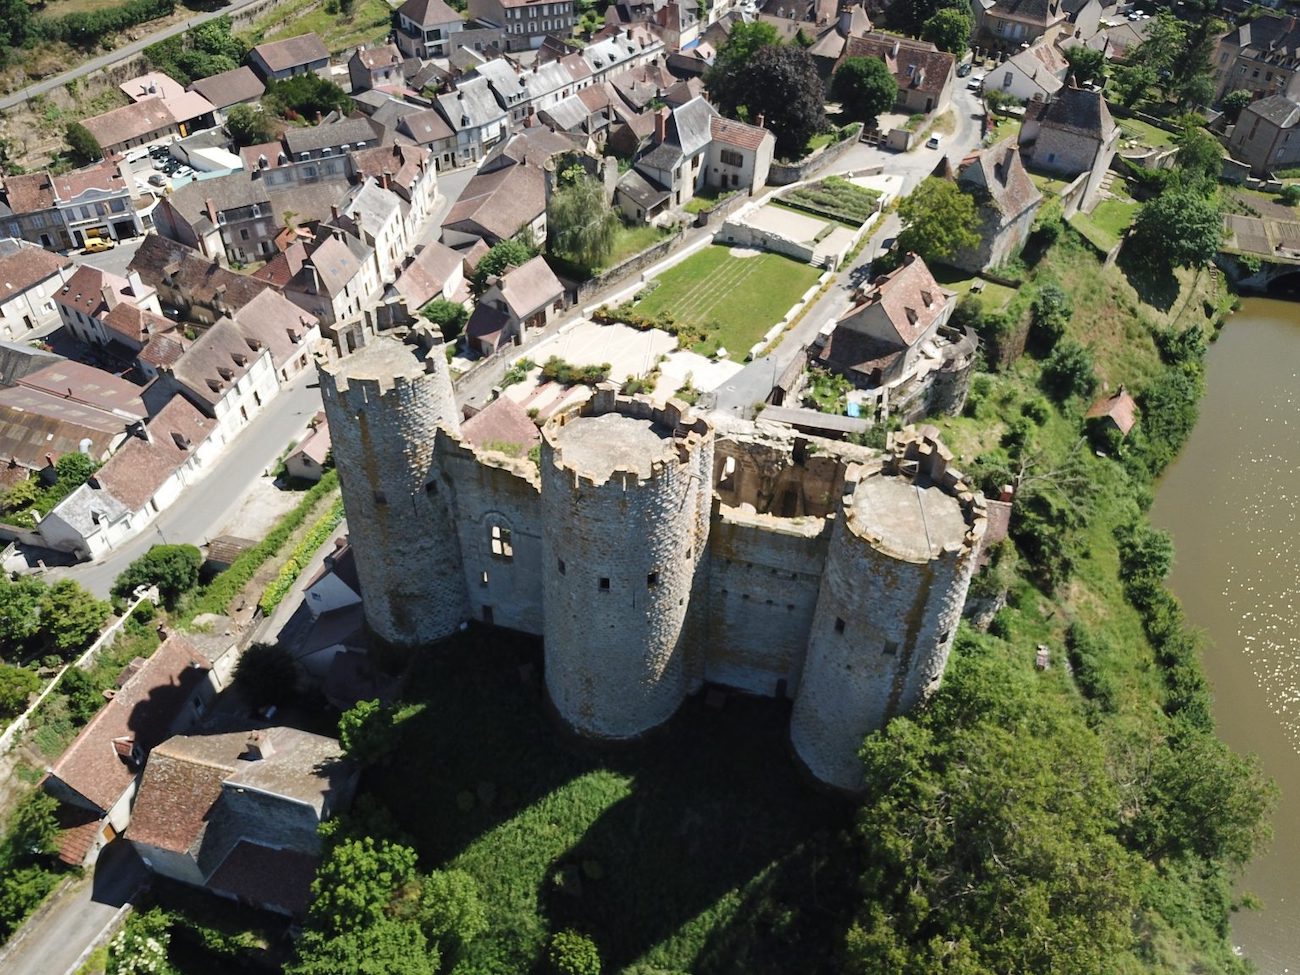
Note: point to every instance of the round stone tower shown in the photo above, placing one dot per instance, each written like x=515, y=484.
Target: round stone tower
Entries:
x=626, y=496
x=385, y=403
x=901, y=555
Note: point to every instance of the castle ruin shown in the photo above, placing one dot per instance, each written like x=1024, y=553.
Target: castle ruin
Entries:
x=655, y=550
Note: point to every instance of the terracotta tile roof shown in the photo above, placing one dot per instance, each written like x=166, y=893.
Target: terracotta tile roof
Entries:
x=102, y=176
x=142, y=713
x=316, y=446
x=230, y=87
x=1040, y=12
x=181, y=783
x=36, y=427
x=26, y=266
x=428, y=13
x=1120, y=409
x=916, y=65
x=909, y=296
x=215, y=362
x=135, y=324
x=738, y=134
x=999, y=172
x=83, y=291
x=849, y=350
x=529, y=287
x=161, y=262
x=503, y=421
x=224, y=549
x=279, y=270
x=273, y=320
x=426, y=276
x=163, y=349
x=76, y=382
x=78, y=830
x=278, y=879
x=292, y=52
x=136, y=472
x=29, y=193
x=425, y=126
x=381, y=56
x=130, y=121
x=403, y=164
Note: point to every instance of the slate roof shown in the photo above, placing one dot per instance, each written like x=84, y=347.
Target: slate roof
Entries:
x=569, y=114
x=998, y=170
x=351, y=132
x=428, y=13
x=499, y=204
x=135, y=473
x=471, y=105
x=423, y=279
x=1268, y=37
x=1278, y=109
x=642, y=191
x=230, y=87
x=24, y=265
x=918, y=66
x=142, y=712
x=1080, y=111
x=690, y=126
x=130, y=121
x=292, y=52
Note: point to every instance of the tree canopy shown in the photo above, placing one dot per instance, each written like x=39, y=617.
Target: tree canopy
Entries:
x=581, y=225
x=1087, y=64
x=84, y=146
x=449, y=316
x=249, y=125
x=949, y=30
x=174, y=569
x=865, y=87
x=305, y=96
x=939, y=220
x=781, y=84
x=742, y=43
x=504, y=254
x=1177, y=51
x=1183, y=227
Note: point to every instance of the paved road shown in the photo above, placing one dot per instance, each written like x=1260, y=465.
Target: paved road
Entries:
x=52, y=942
x=204, y=508
x=113, y=57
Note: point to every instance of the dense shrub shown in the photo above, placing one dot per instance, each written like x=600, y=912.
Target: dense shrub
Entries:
x=174, y=569
x=556, y=370
x=572, y=953
x=86, y=29
x=302, y=555
x=1068, y=372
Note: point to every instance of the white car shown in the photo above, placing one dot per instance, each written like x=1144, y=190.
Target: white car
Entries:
x=933, y=142
x=976, y=82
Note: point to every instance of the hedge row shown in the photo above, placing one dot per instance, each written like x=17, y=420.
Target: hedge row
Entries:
x=88, y=28
x=302, y=553
x=216, y=596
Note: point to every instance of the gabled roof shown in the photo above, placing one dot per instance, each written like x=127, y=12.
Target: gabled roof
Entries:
x=423, y=279
x=428, y=13
x=130, y=121
x=425, y=126
x=135, y=473
x=161, y=262
x=215, y=362
x=916, y=65
x=729, y=132
x=1080, y=111
x=276, y=322
x=641, y=190
x=1120, y=409
x=1044, y=65
x=331, y=264
x=690, y=126
x=24, y=265
x=499, y=204
x=910, y=298
x=378, y=57
x=163, y=349
x=530, y=286
x=471, y=105
x=230, y=87
x=351, y=132
x=133, y=323
x=141, y=713
x=29, y=192
x=501, y=422
x=76, y=382
x=1278, y=109
x=1040, y=12
x=292, y=52
x=268, y=876
x=999, y=172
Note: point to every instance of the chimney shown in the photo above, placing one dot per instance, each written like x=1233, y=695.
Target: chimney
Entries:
x=137, y=284
x=661, y=125
x=258, y=747
x=110, y=296
x=334, y=211
x=760, y=120
x=894, y=52
x=385, y=178
x=212, y=210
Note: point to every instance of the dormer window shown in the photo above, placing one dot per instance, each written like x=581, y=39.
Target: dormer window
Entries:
x=240, y=359
x=215, y=385
x=225, y=373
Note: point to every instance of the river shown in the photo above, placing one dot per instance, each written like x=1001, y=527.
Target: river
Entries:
x=1231, y=501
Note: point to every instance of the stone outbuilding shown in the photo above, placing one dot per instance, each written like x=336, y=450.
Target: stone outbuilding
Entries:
x=523, y=298
x=1118, y=412
x=1072, y=135
x=1007, y=202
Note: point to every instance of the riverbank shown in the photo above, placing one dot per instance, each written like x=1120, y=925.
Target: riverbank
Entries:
x=1229, y=501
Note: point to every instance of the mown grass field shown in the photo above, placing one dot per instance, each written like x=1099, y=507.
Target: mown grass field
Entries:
x=735, y=299
x=1107, y=222
x=691, y=850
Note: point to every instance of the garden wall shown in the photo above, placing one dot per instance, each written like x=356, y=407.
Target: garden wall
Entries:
x=637, y=262
x=722, y=209
x=783, y=174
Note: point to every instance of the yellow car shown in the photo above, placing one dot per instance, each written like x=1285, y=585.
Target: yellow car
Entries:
x=97, y=245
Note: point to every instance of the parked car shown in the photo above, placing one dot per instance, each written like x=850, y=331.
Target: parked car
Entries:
x=97, y=245
x=157, y=179
x=976, y=82
x=963, y=69
x=932, y=142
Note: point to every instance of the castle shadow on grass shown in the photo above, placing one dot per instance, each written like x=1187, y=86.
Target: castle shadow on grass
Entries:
x=696, y=847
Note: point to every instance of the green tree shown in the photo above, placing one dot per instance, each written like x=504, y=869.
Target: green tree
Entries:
x=1052, y=309
x=85, y=147
x=1069, y=372
x=17, y=684
x=865, y=87
x=949, y=30
x=1234, y=101
x=911, y=16
x=369, y=730
x=20, y=610
x=174, y=569
x=84, y=696
x=1200, y=157
x=386, y=947
x=1182, y=227
x=74, y=469
x=744, y=41
x=503, y=254
x=32, y=831
x=581, y=224
x=572, y=953
x=938, y=221
x=265, y=674
x=451, y=912
x=249, y=125
x=1087, y=64
x=782, y=85
x=449, y=316
x=305, y=96
x=70, y=616
x=355, y=884
x=1178, y=51
x=1131, y=82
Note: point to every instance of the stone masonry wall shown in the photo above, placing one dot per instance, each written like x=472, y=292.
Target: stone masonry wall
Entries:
x=620, y=561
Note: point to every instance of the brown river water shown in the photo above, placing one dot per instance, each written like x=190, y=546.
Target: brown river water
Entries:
x=1232, y=503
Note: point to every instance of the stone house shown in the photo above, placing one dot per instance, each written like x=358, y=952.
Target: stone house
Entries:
x=200, y=288
x=147, y=120
x=1007, y=202
x=291, y=334
x=378, y=218
x=879, y=339
x=307, y=461
x=239, y=86
x=525, y=22
x=97, y=201
x=143, y=478
x=96, y=777
x=335, y=138
x=925, y=75
x=427, y=128
x=238, y=813
x=498, y=205
x=276, y=60
x=190, y=109
x=1035, y=74
x=424, y=28
x=405, y=170
x=28, y=210
x=472, y=112
x=1008, y=24
x=90, y=296
x=678, y=156
x=1074, y=134
x=29, y=278
x=740, y=155
x=336, y=282
x=375, y=67
x=1261, y=56
x=523, y=298
x=1266, y=135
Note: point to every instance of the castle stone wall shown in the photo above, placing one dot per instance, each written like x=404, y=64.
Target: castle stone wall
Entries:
x=385, y=404
x=900, y=561
x=764, y=576
x=625, y=501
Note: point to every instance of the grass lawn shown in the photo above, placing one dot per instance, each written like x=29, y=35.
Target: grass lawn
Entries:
x=1005, y=128
x=736, y=299
x=1049, y=185
x=994, y=296
x=1135, y=130
x=633, y=240
x=1107, y=222
x=700, y=848
x=370, y=21
x=706, y=199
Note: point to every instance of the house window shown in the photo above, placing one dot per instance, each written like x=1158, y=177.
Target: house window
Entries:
x=604, y=584
x=891, y=648
x=483, y=579
x=559, y=565
x=1006, y=80
x=652, y=580
x=839, y=625
x=381, y=498
x=499, y=537
x=732, y=158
